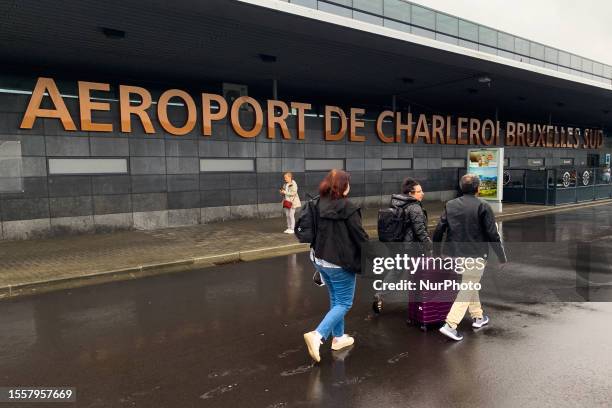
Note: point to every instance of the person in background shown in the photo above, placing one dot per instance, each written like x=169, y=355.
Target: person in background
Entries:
x=336, y=253
x=605, y=176
x=291, y=200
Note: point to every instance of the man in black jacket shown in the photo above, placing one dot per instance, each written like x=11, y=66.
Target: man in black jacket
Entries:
x=469, y=224
x=415, y=214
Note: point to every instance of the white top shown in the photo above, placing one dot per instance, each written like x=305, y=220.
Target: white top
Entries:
x=322, y=262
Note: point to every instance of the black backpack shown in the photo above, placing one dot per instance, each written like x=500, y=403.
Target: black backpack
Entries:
x=391, y=224
x=306, y=224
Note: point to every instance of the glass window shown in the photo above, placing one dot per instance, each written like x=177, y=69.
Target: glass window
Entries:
x=537, y=51
x=371, y=6
x=423, y=17
x=348, y=3
x=368, y=18
x=468, y=44
x=574, y=72
x=505, y=41
x=551, y=66
x=306, y=3
x=521, y=46
x=587, y=65
x=551, y=55
x=341, y=11
x=446, y=38
x=487, y=36
x=535, y=61
x=397, y=26
x=397, y=10
x=468, y=31
x=447, y=24
x=487, y=49
x=597, y=68
x=505, y=54
x=423, y=32
x=564, y=59
x=607, y=71
x=575, y=62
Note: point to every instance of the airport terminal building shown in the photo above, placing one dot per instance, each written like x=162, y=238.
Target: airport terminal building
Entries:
x=119, y=115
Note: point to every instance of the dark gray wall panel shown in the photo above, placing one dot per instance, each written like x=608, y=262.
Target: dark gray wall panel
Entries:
x=147, y=147
x=215, y=198
x=111, y=184
x=183, y=182
x=67, y=146
x=70, y=206
x=243, y=197
x=148, y=183
x=66, y=186
x=183, y=199
x=214, y=181
x=243, y=180
x=25, y=209
x=116, y=147
x=149, y=202
x=112, y=204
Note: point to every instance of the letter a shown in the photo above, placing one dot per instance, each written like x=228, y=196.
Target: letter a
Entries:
x=35, y=111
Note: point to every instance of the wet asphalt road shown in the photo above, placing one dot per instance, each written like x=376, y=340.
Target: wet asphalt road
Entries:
x=231, y=336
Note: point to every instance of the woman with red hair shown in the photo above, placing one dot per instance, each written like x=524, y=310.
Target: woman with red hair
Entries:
x=336, y=253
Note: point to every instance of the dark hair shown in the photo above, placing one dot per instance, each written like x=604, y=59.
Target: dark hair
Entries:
x=409, y=185
x=334, y=184
x=469, y=184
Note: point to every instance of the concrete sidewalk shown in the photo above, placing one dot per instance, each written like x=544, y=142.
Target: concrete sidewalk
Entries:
x=41, y=265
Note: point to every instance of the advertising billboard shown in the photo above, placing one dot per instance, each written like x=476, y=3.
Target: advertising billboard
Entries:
x=488, y=165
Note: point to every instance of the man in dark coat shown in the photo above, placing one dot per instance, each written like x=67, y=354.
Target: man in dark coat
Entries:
x=470, y=228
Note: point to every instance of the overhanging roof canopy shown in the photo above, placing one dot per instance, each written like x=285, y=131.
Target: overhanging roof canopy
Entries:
x=194, y=44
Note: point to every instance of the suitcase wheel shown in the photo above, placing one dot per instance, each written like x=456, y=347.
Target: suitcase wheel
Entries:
x=377, y=304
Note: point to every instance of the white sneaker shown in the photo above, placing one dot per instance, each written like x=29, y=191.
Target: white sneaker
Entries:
x=288, y=231
x=478, y=323
x=313, y=342
x=342, y=342
x=450, y=332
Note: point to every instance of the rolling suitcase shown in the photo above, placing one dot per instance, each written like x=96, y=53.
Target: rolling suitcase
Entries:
x=430, y=307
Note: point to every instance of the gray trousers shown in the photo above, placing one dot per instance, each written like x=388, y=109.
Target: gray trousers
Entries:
x=290, y=214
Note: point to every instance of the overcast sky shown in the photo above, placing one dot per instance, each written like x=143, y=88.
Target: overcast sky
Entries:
x=581, y=27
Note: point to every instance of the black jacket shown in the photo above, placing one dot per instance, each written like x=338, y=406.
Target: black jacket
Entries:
x=469, y=223
x=416, y=217
x=339, y=234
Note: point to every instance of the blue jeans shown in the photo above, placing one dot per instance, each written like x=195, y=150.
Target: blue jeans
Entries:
x=340, y=284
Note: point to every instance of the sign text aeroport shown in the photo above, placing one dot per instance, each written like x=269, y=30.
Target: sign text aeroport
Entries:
x=408, y=128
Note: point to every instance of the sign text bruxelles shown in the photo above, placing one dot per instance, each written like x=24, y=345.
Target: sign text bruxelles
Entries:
x=408, y=128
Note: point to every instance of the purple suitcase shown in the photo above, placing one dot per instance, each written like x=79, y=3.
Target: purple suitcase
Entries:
x=430, y=307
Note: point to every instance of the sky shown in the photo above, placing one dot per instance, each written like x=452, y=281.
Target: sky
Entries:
x=581, y=27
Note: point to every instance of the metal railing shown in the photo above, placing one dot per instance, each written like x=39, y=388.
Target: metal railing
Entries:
x=557, y=186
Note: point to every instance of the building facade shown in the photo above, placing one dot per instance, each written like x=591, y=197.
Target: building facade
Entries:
x=84, y=158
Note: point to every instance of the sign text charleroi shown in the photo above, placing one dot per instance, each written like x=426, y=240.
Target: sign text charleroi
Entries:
x=408, y=128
